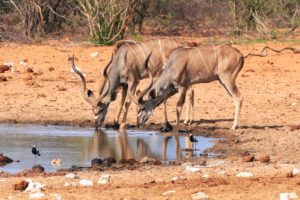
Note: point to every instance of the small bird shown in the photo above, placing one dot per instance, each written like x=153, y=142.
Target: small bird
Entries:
x=35, y=151
x=193, y=140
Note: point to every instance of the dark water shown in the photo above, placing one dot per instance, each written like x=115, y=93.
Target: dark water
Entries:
x=78, y=146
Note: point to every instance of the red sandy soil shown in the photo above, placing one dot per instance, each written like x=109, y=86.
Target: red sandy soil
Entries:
x=270, y=87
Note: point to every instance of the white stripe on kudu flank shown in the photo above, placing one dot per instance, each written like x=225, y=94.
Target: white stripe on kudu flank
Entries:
x=135, y=54
x=141, y=50
x=215, y=51
x=160, y=46
x=148, y=52
x=205, y=64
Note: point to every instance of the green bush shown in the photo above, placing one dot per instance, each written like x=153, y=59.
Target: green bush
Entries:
x=107, y=19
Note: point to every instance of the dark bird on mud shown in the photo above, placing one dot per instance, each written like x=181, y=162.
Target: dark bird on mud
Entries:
x=35, y=151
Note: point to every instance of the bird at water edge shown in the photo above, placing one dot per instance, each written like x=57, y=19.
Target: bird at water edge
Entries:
x=193, y=140
x=35, y=151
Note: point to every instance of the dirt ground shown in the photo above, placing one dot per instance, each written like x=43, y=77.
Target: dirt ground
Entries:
x=270, y=87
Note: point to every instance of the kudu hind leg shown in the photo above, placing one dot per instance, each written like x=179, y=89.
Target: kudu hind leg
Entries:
x=189, y=114
x=237, y=98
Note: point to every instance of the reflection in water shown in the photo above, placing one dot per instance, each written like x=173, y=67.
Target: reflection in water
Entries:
x=120, y=148
x=78, y=146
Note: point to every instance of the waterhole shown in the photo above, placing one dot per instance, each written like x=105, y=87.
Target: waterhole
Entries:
x=78, y=146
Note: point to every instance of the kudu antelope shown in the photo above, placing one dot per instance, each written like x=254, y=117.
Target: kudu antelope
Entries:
x=125, y=69
x=189, y=66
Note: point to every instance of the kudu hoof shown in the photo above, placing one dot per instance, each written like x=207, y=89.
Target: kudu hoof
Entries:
x=115, y=125
x=234, y=127
x=122, y=126
x=167, y=127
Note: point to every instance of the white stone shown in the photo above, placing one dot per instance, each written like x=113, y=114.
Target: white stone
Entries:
x=9, y=64
x=146, y=160
x=205, y=176
x=28, y=180
x=199, y=196
x=287, y=196
x=23, y=63
x=104, y=179
x=296, y=171
x=221, y=173
x=35, y=187
x=94, y=54
x=176, y=178
x=169, y=192
x=56, y=196
x=294, y=104
x=244, y=174
x=38, y=195
x=85, y=182
x=192, y=169
x=72, y=176
x=70, y=184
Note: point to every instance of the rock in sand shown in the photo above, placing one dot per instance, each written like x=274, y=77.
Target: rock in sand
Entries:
x=86, y=182
x=70, y=184
x=244, y=174
x=200, y=196
x=38, y=169
x=22, y=185
x=72, y=176
x=288, y=196
x=34, y=187
x=96, y=162
x=168, y=192
x=5, y=160
x=192, y=169
x=38, y=195
x=104, y=179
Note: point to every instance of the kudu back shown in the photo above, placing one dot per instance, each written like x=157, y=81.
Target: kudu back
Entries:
x=189, y=66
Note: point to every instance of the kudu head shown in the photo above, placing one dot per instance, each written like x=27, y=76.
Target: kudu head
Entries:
x=145, y=107
x=99, y=108
x=153, y=96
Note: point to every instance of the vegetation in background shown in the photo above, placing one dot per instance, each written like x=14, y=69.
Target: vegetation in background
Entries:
x=107, y=21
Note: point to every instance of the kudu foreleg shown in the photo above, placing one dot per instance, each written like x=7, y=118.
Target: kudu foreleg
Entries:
x=131, y=91
x=123, y=122
x=165, y=111
x=124, y=94
x=180, y=102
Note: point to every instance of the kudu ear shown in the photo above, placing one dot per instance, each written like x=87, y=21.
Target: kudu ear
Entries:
x=91, y=98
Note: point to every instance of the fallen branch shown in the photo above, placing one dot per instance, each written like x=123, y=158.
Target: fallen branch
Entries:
x=264, y=53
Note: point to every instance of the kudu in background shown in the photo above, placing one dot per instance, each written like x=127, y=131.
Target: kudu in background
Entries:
x=125, y=69
x=189, y=66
